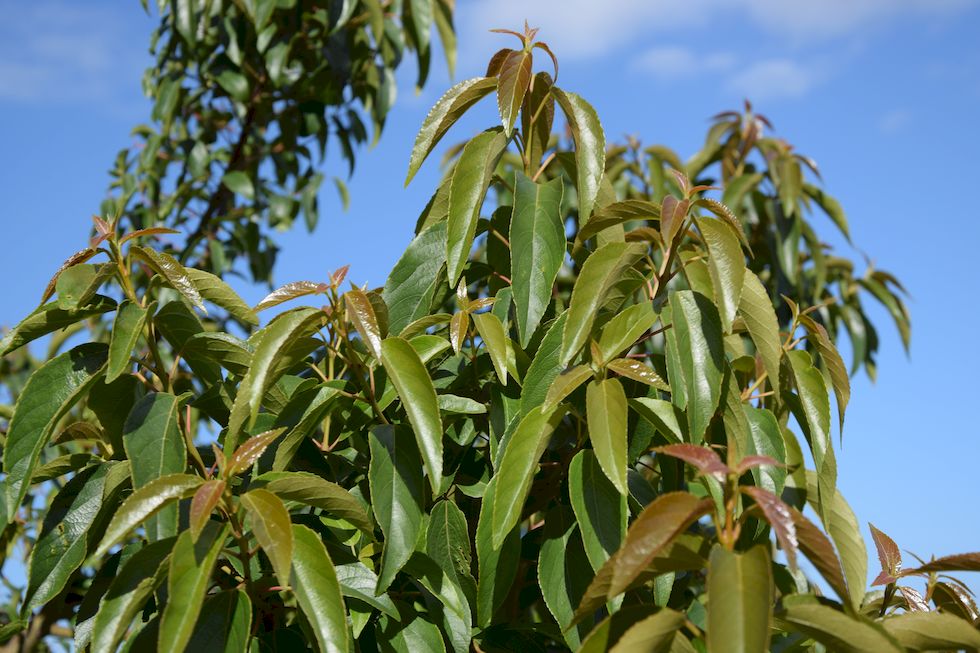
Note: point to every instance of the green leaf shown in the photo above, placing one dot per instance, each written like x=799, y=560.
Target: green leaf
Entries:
x=740, y=594
x=616, y=214
x=815, y=406
x=63, y=540
x=537, y=243
x=496, y=341
x=219, y=293
x=271, y=346
x=515, y=77
x=78, y=284
x=932, y=631
x=599, y=506
x=625, y=328
x=654, y=633
x=756, y=308
x=48, y=395
x=224, y=624
x=461, y=405
x=601, y=271
x=172, y=272
x=544, y=368
x=605, y=409
x=272, y=529
x=410, y=286
x=840, y=632
x=144, y=503
x=565, y=384
x=357, y=581
x=447, y=543
x=590, y=148
x=49, y=318
x=191, y=564
x=518, y=463
x=320, y=493
x=419, y=400
x=361, y=313
x=560, y=563
x=126, y=330
x=894, y=305
x=830, y=206
x=397, y=497
x=661, y=414
x=497, y=565
x=239, y=182
x=634, y=369
x=136, y=581
x=835, y=364
x=765, y=439
x=317, y=591
x=444, y=114
x=471, y=179
x=155, y=447
x=844, y=529
x=409, y=637
x=726, y=264
x=701, y=355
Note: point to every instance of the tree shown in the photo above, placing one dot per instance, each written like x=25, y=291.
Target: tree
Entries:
x=565, y=426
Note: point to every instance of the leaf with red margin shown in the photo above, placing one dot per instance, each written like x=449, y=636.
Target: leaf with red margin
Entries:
x=780, y=518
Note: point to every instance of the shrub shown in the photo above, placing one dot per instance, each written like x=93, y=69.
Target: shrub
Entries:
x=570, y=425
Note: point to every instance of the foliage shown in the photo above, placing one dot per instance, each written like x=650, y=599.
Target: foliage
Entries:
x=568, y=426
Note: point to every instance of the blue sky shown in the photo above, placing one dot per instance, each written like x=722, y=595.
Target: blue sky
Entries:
x=884, y=94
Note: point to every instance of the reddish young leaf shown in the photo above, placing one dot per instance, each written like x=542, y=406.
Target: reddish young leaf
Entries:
x=914, y=600
x=672, y=214
x=203, y=504
x=250, y=451
x=751, y=462
x=361, y=313
x=957, y=562
x=290, y=291
x=705, y=459
x=818, y=549
x=515, y=77
x=889, y=556
x=74, y=259
x=780, y=518
x=655, y=528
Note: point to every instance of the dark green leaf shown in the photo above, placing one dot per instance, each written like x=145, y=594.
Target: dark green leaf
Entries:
x=318, y=591
x=471, y=179
x=537, y=241
x=155, y=447
x=601, y=271
x=701, y=355
x=410, y=286
x=606, y=412
x=126, y=330
x=191, y=563
x=47, y=396
x=397, y=495
x=443, y=115
x=590, y=148
x=600, y=508
x=219, y=293
x=320, y=493
x=756, y=308
x=49, y=318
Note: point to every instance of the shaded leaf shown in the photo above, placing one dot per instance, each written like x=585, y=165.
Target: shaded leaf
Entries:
x=599, y=506
x=317, y=590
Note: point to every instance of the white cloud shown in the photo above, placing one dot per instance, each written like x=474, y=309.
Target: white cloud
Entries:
x=589, y=28
x=677, y=62
x=894, y=121
x=52, y=51
x=773, y=78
